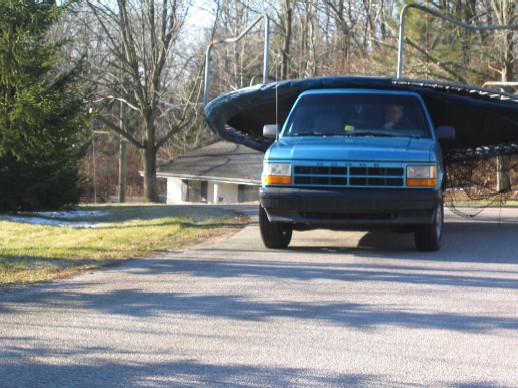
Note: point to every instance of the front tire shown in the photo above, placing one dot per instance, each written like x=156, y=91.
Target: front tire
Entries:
x=428, y=238
x=275, y=235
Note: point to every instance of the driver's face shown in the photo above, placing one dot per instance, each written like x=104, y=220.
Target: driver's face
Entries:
x=394, y=113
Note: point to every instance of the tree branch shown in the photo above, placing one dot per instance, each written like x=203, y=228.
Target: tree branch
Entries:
x=119, y=131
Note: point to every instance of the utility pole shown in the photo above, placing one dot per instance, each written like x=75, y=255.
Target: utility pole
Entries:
x=122, y=155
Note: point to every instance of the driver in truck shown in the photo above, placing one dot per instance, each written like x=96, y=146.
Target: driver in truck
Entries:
x=395, y=118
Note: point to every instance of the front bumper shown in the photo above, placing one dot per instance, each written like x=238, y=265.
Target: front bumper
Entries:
x=348, y=207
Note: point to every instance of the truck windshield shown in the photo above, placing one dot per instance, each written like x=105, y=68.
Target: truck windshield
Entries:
x=343, y=114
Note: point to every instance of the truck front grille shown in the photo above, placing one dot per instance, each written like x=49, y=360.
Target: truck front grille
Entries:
x=350, y=176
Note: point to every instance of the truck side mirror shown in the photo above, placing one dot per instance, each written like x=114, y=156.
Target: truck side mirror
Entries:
x=445, y=133
x=270, y=131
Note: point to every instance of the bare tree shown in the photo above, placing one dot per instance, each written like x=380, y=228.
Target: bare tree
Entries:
x=506, y=13
x=139, y=38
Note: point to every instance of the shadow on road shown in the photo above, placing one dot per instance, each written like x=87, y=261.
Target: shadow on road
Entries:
x=134, y=302
x=489, y=238
x=185, y=373
x=463, y=241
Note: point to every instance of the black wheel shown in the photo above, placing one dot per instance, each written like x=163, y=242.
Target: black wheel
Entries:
x=429, y=237
x=275, y=235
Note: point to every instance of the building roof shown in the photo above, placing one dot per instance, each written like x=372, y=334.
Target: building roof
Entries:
x=223, y=162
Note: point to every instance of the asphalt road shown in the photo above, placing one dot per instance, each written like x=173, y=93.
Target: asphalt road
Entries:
x=335, y=309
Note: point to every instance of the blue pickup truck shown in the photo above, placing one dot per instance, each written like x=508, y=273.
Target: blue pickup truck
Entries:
x=354, y=159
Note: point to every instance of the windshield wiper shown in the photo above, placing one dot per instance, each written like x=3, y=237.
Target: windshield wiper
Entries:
x=371, y=133
x=309, y=134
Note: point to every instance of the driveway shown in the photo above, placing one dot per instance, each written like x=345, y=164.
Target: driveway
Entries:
x=335, y=309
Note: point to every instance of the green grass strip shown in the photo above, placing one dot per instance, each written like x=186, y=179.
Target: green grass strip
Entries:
x=36, y=252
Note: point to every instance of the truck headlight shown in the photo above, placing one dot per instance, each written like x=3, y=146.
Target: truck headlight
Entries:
x=277, y=174
x=421, y=176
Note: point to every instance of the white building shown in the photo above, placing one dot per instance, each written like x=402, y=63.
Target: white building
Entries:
x=221, y=173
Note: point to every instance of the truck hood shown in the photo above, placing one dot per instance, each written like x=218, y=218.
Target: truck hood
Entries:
x=337, y=148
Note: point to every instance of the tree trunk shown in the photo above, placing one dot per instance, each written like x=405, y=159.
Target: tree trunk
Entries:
x=150, y=183
x=287, y=40
x=149, y=159
x=503, y=178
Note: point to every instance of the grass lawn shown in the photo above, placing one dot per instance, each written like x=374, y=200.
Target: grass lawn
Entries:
x=33, y=252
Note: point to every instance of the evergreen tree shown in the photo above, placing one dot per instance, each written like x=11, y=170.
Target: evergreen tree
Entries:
x=40, y=111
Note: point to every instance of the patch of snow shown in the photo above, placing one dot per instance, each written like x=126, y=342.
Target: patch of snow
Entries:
x=71, y=214
x=59, y=219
